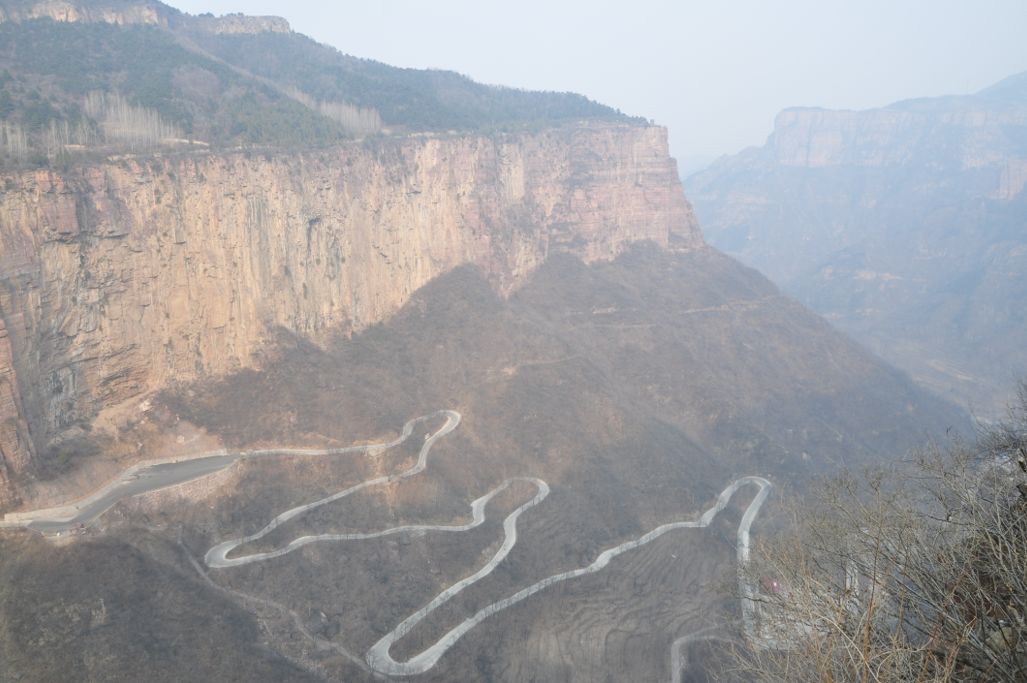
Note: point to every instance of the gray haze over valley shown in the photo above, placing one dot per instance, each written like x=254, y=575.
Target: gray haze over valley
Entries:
x=715, y=73
x=513, y=342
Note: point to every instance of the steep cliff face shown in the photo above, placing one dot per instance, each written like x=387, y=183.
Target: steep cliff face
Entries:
x=15, y=447
x=905, y=225
x=136, y=12
x=241, y=24
x=119, y=278
x=965, y=137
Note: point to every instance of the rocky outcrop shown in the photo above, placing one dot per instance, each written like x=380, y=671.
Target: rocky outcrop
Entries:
x=241, y=24
x=122, y=277
x=120, y=13
x=143, y=12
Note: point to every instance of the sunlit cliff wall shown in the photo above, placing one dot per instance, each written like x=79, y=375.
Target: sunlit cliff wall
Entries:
x=121, y=277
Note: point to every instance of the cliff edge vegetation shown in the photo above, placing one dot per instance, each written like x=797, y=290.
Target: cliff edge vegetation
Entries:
x=87, y=77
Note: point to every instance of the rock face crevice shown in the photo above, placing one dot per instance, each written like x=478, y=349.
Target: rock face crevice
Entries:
x=119, y=278
x=15, y=444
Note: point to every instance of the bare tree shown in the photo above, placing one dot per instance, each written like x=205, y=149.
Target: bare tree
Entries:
x=906, y=574
x=122, y=122
x=355, y=120
x=14, y=141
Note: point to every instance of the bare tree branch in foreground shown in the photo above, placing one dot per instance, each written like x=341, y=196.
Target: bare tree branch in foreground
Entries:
x=912, y=576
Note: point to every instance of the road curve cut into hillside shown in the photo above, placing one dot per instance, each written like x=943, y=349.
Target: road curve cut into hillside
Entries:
x=379, y=657
x=147, y=477
x=153, y=476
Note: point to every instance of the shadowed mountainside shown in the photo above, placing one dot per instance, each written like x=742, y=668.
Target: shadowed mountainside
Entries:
x=90, y=612
x=636, y=388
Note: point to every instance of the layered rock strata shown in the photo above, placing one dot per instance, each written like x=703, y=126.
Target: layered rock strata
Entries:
x=122, y=277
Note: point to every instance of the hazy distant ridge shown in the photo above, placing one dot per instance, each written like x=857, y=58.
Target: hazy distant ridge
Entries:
x=906, y=225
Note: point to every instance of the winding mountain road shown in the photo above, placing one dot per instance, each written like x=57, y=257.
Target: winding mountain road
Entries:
x=217, y=557
x=151, y=477
x=132, y=482
x=378, y=656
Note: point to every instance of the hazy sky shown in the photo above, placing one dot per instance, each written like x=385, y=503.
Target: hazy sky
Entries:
x=715, y=72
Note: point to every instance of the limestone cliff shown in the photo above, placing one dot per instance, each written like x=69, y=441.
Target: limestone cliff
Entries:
x=121, y=277
x=113, y=12
x=132, y=13
x=15, y=448
x=822, y=138
x=235, y=24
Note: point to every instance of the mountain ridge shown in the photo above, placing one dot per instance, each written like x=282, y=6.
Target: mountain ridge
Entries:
x=200, y=81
